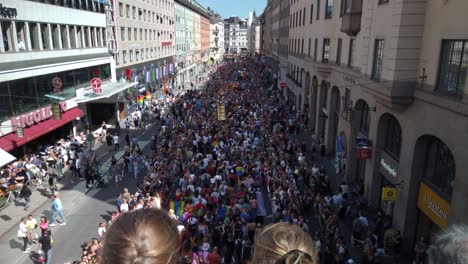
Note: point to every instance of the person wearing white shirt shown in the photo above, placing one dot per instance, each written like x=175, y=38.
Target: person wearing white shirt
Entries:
x=21, y=45
x=124, y=206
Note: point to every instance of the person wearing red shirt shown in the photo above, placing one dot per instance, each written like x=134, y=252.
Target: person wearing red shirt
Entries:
x=214, y=257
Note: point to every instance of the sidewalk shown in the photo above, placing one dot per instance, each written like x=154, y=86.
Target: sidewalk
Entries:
x=328, y=163
x=11, y=215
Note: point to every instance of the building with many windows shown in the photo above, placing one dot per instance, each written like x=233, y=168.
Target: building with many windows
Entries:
x=235, y=35
x=216, y=38
x=48, y=60
x=191, y=46
x=383, y=85
x=146, y=42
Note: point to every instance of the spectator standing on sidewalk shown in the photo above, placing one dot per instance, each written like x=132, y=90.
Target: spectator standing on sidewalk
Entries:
x=117, y=128
x=46, y=246
x=56, y=208
x=127, y=140
x=23, y=234
x=116, y=142
x=89, y=139
x=89, y=176
x=25, y=193
x=78, y=166
x=109, y=140
x=127, y=124
x=31, y=224
x=104, y=129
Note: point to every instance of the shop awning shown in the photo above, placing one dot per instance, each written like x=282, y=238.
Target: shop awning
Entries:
x=11, y=141
x=108, y=90
x=5, y=158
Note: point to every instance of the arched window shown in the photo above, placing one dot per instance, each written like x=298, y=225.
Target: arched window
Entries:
x=392, y=144
x=439, y=167
x=364, y=119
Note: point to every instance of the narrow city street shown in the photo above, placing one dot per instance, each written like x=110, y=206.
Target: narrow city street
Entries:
x=253, y=132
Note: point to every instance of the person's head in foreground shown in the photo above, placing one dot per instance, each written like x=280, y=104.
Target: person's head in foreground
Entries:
x=146, y=236
x=283, y=243
x=450, y=246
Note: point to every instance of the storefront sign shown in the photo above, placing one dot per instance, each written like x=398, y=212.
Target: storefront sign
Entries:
x=7, y=12
x=388, y=166
x=166, y=43
x=364, y=153
x=434, y=206
x=389, y=194
x=96, y=83
x=35, y=116
x=57, y=84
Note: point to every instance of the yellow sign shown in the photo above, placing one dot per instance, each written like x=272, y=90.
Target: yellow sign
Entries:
x=432, y=205
x=221, y=112
x=389, y=194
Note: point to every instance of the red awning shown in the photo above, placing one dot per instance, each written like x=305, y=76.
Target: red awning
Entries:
x=11, y=141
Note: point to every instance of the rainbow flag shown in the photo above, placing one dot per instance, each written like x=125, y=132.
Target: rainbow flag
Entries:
x=148, y=95
x=140, y=99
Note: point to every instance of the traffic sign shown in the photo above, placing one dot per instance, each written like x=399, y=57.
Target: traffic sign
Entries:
x=283, y=85
x=96, y=83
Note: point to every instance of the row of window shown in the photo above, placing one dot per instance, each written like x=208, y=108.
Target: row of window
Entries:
x=185, y=34
x=453, y=63
x=131, y=56
x=18, y=36
x=86, y=5
x=144, y=15
x=298, y=18
x=145, y=34
x=185, y=47
x=296, y=46
x=235, y=39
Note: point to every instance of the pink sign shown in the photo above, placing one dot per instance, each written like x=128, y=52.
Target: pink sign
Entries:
x=35, y=116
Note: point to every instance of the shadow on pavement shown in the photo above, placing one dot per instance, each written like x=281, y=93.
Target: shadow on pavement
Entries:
x=15, y=244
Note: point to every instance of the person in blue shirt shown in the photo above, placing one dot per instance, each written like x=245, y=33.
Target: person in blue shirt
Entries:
x=56, y=209
x=221, y=212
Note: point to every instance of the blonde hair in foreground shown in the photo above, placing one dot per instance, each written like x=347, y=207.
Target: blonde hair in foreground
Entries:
x=145, y=236
x=284, y=243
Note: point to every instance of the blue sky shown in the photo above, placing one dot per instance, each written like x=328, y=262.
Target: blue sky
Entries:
x=241, y=8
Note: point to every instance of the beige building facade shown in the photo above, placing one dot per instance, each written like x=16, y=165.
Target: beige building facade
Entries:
x=146, y=41
x=383, y=84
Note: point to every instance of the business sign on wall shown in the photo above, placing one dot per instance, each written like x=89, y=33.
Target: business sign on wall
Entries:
x=388, y=166
x=434, y=206
x=36, y=116
x=8, y=12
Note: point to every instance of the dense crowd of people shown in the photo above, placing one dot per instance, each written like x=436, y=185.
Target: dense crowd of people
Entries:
x=212, y=173
x=218, y=175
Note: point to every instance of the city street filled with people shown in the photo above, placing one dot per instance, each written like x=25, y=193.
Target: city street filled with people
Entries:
x=220, y=177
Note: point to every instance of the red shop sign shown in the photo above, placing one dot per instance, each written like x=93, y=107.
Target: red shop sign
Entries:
x=96, y=83
x=364, y=153
x=36, y=116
